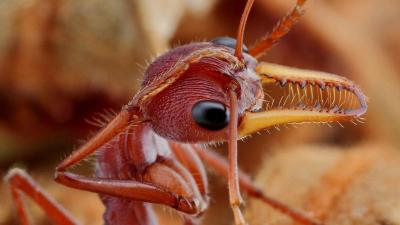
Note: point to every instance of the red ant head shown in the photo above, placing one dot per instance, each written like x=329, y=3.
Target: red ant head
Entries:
x=185, y=91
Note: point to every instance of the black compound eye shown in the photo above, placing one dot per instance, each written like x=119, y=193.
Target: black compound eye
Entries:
x=210, y=115
x=229, y=42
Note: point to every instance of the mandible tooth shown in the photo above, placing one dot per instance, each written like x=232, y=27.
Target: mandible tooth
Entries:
x=322, y=85
x=339, y=87
x=335, y=109
x=317, y=106
x=283, y=82
x=303, y=84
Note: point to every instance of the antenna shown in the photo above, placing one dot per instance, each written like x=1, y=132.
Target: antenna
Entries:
x=242, y=25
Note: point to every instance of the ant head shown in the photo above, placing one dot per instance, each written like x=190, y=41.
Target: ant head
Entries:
x=186, y=92
x=185, y=96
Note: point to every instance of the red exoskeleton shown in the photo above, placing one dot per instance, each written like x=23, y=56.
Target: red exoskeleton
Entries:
x=194, y=94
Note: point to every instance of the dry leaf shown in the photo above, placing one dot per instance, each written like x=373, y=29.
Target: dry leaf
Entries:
x=357, y=186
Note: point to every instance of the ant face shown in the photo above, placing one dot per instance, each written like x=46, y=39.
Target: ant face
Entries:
x=198, y=96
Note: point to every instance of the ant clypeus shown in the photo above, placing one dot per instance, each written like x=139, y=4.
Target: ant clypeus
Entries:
x=196, y=93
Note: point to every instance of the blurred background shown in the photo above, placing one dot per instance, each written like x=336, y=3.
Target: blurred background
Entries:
x=61, y=62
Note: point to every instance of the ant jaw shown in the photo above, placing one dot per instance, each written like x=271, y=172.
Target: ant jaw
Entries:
x=303, y=96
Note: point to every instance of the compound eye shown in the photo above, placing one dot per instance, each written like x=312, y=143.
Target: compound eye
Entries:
x=228, y=42
x=210, y=115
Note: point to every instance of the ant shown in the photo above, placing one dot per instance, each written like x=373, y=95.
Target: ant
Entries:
x=198, y=93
